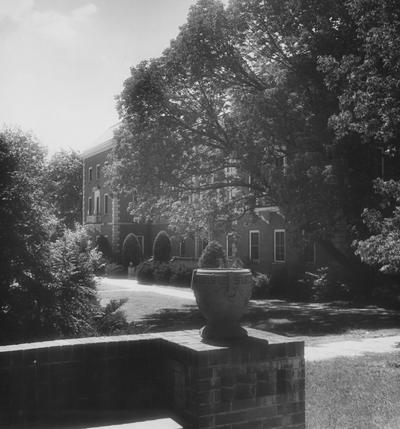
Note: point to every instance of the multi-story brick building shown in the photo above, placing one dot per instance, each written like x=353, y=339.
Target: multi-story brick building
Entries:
x=260, y=240
x=105, y=213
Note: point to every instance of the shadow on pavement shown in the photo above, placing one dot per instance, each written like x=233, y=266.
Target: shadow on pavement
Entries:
x=284, y=318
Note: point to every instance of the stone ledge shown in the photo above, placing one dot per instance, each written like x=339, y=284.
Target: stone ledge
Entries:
x=188, y=338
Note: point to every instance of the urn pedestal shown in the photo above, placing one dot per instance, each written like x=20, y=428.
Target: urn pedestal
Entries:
x=222, y=296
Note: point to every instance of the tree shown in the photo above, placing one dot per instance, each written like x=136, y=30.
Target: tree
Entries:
x=25, y=228
x=238, y=91
x=63, y=186
x=47, y=287
x=382, y=248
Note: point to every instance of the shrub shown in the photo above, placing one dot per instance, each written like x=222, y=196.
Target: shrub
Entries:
x=261, y=285
x=162, y=247
x=323, y=285
x=145, y=272
x=74, y=304
x=104, y=246
x=181, y=275
x=114, y=269
x=131, y=251
x=213, y=256
x=161, y=272
x=112, y=319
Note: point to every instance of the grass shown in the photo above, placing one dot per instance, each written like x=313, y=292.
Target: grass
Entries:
x=342, y=393
x=356, y=393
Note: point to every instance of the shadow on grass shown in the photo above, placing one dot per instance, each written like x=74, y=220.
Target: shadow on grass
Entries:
x=284, y=318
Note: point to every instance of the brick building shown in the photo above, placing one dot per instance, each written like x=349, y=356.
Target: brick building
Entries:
x=105, y=213
x=260, y=240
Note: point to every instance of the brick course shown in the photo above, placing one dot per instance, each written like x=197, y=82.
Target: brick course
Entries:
x=255, y=382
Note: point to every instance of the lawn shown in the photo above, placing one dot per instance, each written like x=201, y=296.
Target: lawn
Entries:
x=342, y=393
x=356, y=393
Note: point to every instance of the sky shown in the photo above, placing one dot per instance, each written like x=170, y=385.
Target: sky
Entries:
x=64, y=61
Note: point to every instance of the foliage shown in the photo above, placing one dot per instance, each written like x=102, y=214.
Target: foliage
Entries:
x=113, y=319
x=47, y=287
x=25, y=228
x=62, y=184
x=161, y=272
x=261, y=285
x=104, y=246
x=73, y=262
x=164, y=273
x=145, y=272
x=368, y=75
x=206, y=127
x=382, y=248
x=162, y=247
x=131, y=250
x=325, y=284
x=112, y=269
x=181, y=275
x=213, y=256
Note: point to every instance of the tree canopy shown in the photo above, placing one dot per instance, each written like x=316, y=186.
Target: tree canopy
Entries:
x=63, y=186
x=263, y=103
x=47, y=287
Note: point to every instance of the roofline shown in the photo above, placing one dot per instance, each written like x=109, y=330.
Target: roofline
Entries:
x=103, y=143
x=101, y=147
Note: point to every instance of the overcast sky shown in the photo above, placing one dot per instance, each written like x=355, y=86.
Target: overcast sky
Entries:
x=63, y=61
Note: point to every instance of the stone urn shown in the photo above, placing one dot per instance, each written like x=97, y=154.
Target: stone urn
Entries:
x=222, y=295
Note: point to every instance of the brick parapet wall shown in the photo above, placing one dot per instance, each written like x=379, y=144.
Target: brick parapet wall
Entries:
x=246, y=384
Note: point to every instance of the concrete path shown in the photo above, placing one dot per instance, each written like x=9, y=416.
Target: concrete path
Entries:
x=316, y=348
x=149, y=424
x=352, y=348
x=107, y=286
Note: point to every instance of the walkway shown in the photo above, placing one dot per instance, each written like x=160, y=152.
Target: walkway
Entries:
x=352, y=348
x=362, y=327
x=108, y=287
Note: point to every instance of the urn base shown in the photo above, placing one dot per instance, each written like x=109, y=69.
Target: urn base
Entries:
x=228, y=332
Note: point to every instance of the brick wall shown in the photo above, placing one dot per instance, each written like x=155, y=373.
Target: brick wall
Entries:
x=249, y=383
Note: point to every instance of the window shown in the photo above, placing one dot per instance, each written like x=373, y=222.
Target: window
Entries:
x=200, y=245
x=281, y=163
x=90, y=206
x=105, y=204
x=182, y=248
x=254, y=246
x=90, y=173
x=141, y=242
x=310, y=252
x=279, y=245
x=229, y=245
x=97, y=171
x=97, y=204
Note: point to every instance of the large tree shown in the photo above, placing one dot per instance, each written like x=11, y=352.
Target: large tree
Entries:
x=238, y=91
x=63, y=186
